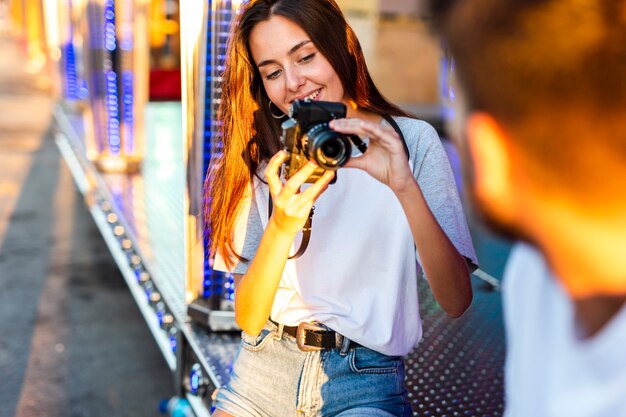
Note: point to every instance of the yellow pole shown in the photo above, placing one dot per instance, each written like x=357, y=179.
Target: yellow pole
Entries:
x=35, y=36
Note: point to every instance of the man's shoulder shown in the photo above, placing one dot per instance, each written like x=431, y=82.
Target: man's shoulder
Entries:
x=526, y=270
x=525, y=253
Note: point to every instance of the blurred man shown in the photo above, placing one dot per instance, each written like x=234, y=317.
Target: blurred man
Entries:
x=541, y=125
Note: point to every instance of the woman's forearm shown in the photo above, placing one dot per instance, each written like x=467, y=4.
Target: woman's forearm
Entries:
x=445, y=268
x=254, y=294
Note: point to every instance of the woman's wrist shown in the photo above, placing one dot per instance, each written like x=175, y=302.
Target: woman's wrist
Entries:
x=406, y=188
x=280, y=229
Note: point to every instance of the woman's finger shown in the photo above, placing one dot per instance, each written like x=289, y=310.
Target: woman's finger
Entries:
x=318, y=187
x=352, y=126
x=271, y=172
x=295, y=182
x=384, y=133
x=359, y=162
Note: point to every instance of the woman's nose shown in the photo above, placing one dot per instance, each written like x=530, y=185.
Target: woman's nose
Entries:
x=295, y=80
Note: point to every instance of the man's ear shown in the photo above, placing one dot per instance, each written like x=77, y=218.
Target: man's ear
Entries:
x=492, y=157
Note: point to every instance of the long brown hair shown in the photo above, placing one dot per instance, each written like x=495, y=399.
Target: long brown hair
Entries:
x=250, y=133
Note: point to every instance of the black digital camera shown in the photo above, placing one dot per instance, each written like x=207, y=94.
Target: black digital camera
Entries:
x=306, y=136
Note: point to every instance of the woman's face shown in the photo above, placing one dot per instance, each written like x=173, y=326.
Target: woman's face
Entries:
x=290, y=65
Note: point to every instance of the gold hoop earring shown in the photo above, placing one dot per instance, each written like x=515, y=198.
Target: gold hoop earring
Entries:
x=269, y=104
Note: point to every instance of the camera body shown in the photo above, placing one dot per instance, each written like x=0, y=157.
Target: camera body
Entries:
x=306, y=136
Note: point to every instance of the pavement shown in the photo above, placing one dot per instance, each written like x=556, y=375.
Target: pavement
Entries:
x=72, y=340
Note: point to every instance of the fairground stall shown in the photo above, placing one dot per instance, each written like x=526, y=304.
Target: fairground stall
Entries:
x=135, y=123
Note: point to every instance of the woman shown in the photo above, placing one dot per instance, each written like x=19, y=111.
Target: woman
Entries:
x=351, y=299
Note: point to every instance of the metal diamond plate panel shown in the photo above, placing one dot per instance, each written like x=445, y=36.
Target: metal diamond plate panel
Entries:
x=456, y=370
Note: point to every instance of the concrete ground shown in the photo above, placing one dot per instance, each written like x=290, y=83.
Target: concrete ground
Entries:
x=72, y=340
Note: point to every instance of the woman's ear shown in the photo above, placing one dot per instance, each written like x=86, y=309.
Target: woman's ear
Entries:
x=492, y=157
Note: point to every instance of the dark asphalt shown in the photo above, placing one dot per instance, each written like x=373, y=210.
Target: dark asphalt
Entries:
x=72, y=340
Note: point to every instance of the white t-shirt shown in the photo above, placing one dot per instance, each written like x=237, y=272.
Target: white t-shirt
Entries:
x=359, y=274
x=550, y=371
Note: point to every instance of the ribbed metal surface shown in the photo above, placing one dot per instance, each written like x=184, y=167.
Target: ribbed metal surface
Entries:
x=159, y=210
x=218, y=349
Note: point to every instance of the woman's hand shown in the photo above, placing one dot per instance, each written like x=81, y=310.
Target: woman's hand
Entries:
x=292, y=207
x=385, y=158
x=256, y=289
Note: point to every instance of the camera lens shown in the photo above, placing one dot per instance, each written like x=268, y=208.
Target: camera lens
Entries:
x=329, y=149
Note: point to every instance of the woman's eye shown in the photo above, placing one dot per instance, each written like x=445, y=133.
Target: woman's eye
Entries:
x=308, y=58
x=272, y=75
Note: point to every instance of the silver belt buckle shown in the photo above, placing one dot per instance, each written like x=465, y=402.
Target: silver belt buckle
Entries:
x=301, y=336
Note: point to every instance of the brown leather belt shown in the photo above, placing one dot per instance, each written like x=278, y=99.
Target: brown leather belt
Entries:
x=312, y=337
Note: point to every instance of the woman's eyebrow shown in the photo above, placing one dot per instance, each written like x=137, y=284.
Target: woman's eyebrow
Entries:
x=291, y=52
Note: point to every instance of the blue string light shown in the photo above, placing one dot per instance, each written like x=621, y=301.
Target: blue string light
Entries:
x=111, y=80
x=71, y=73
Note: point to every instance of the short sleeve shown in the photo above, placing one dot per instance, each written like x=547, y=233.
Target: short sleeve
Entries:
x=247, y=235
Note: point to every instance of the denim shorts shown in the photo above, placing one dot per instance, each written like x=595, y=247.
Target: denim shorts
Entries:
x=272, y=377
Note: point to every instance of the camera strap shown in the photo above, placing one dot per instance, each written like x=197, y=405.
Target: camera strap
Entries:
x=395, y=126
x=306, y=229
